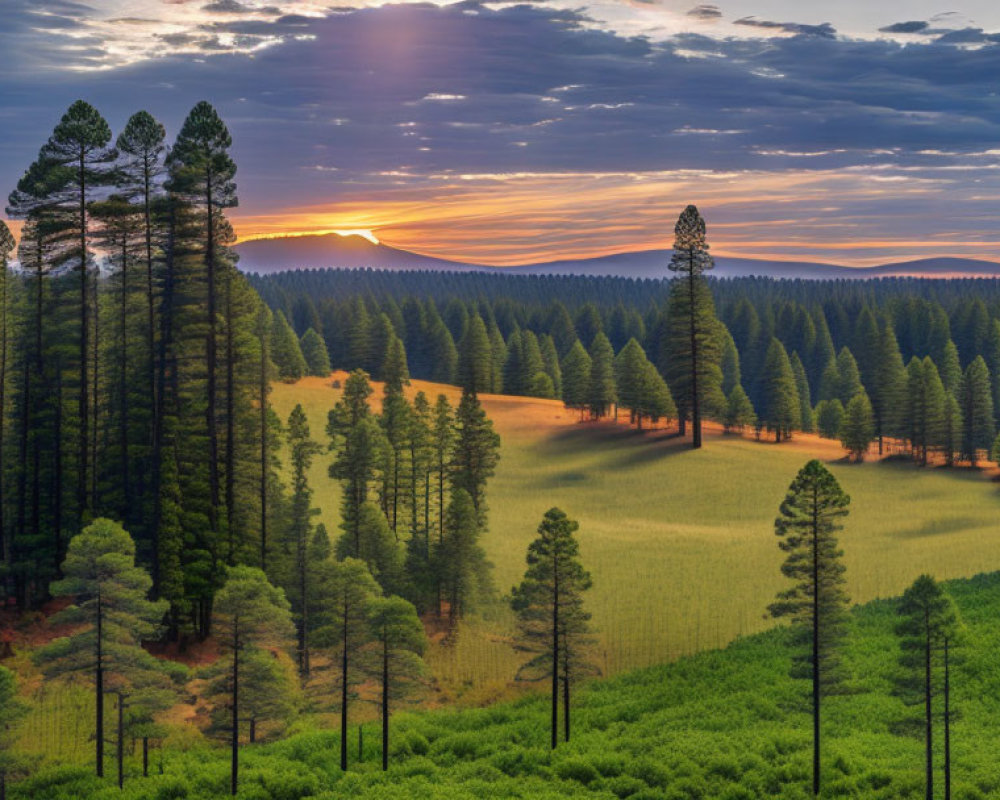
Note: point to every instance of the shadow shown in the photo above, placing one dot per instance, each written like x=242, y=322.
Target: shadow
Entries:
x=619, y=445
x=941, y=528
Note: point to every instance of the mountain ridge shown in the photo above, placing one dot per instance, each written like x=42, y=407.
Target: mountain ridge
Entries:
x=323, y=251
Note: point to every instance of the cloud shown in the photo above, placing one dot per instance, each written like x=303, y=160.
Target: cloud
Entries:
x=705, y=13
x=825, y=30
x=912, y=26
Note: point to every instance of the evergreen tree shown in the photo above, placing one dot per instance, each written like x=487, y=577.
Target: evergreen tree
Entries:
x=781, y=402
x=475, y=454
x=350, y=591
x=300, y=584
x=925, y=407
x=629, y=366
x=693, y=348
x=550, y=612
x=111, y=606
x=739, y=411
x=928, y=621
x=475, y=358
x=729, y=361
x=950, y=368
x=655, y=399
x=459, y=559
x=550, y=363
x=976, y=402
x=817, y=604
x=360, y=460
x=576, y=367
x=951, y=430
x=398, y=641
x=858, y=427
x=601, y=390
x=443, y=353
x=805, y=422
x=7, y=245
x=848, y=377
x=285, y=350
x=887, y=385
x=374, y=544
x=250, y=615
x=313, y=350
x=829, y=418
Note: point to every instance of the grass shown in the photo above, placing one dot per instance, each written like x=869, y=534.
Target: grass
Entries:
x=727, y=725
x=680, y=543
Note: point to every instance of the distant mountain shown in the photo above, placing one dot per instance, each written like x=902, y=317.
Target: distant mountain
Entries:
x=263, y=256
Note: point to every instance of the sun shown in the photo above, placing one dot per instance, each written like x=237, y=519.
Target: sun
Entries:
x=364, y=233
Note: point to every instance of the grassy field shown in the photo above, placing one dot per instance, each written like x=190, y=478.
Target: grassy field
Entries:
x=680, y=543
x=727, y=725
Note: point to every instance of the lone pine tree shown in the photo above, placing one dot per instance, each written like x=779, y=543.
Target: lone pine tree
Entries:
x=817, y=604
x=693, y=344
x=549, y=608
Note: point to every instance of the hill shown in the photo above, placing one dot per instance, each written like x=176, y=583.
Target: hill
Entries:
x=263, y=256
x=726, y=725
x=681, y=543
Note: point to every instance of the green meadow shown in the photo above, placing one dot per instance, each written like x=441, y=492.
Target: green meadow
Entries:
x=680, y=543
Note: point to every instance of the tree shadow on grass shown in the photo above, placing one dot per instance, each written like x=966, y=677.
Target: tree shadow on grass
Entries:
x=619, y=446
x=941, y=527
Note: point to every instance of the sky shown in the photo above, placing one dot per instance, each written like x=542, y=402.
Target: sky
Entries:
x=503, y=133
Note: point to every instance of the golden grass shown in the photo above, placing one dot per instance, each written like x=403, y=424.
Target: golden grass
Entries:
x=680, y=543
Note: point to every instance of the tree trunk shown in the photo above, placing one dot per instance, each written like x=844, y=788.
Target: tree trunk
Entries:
x=145, y=756
x=99, y=692
x=235, y=769
x=264, y=471
x=928, y=711
x=253, y=730
x=695, y=403
x=566, y=696
x=120, y=744
x=815, y=645
x=210, y=359
x=385, y=702
x=555, y=657
x=83, y=442
x=947, y=722
x=343, y=696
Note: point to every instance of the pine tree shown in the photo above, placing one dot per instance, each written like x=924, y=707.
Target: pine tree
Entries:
x=551, y=616
x=201, y=173
x=729, y=361
x=374, y=544
x=475, y=358
x=928, y=621
x=817, y=604
x=398, y=640
x=925, y=407
x=951, y=430
x=460, y=562
x=692, y=368
x=7, y=245
x=361, y=458
x=601, y=390
x=805, y=422
x=350, y=591
x=250, y=615
x=887, y=385
x=629, y=366
x=475, y=454
x=858, y=427
x=576, y=367
x=314, y=352
x=285, y=350
x=781, y=402
x=848, y=377
x=976, y=403
x=300, y=589
x=655, y=400
x=115, y=615
x=950, y=367
x=829, y=418
x=550, y=362
x=739, y=411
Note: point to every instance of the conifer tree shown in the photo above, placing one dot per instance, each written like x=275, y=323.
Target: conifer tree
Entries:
x=475, y=358
x=739, y=411
x=848, y=376
x=201, y=173
x=442, y=446
x=629, y=365
x=887, y=385
x=829, y=418
x=950, y=368
x=817, y=604
x=374, y=544
x=350, y=591
x=302, y=450
x=250, y=615
x=549, y=607
x=443, y=353
x=858, y=427
x=78, y=156
x=601, y=390
x=576, y=367
x=114, y=614
x=655, y=400
x=925, y=407
x=285, y=350
x=693, y=348
x=7, y=245
x=729, y=361
x=476, y=452
x=781, y=402
x=460, y=562
x=314, y=352
x=928, y=621
x=550, y=363
x=398, y=640
x=951, y=429
x=976, y=402
x=360, y=460
x=805, y=422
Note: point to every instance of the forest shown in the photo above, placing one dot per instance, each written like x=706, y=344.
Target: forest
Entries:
x=162, y=556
